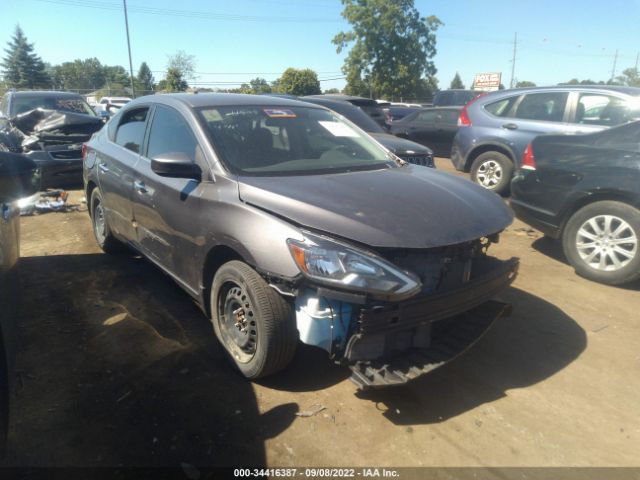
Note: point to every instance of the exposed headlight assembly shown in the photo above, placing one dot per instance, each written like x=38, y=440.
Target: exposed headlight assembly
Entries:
x=330, y=262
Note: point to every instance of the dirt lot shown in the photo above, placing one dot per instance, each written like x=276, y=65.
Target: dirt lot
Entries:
x=119, y=367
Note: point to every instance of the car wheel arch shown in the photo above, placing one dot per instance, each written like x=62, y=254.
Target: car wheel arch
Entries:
x=487, y=147
x=217, y=256
x=91, y=186
x=594, y=197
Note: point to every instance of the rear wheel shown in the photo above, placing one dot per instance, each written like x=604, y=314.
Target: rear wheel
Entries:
x=493, y=171
x=601, y=242
x=252, y=321
x=106, y=241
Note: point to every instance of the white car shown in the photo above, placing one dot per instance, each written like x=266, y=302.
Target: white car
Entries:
x=110, y=105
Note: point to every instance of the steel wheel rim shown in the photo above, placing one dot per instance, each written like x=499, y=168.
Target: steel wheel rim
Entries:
x=489, y=174
x=237, y=322
x=606, y=243
x=99, y=223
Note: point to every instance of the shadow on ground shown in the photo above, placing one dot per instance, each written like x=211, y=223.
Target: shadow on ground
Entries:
x=118, y=366
x=536, y=342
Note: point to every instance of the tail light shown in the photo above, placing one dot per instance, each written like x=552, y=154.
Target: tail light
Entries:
x=84, y=151
x=528, y=159
x=463, y=119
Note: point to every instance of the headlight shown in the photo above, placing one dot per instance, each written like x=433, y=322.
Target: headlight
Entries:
x=339, y=265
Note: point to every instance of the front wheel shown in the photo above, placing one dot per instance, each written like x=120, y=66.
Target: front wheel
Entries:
x=493, y=171
x=253, y=322
x=601, y=242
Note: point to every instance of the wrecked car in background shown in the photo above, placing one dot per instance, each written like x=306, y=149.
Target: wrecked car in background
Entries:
x=287, y=222
x=50, y=128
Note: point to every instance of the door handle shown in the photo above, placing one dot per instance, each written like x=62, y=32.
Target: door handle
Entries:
x=103, y=168
x=510, y=126
x=140, y=187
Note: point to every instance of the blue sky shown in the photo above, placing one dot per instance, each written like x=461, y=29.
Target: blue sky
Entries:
x=237, y=40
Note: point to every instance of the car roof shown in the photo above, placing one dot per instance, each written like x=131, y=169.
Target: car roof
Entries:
x=633, y=91
x=196, y=100
x=338, y=96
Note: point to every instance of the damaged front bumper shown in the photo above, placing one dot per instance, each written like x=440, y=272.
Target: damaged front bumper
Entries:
x=391, y=343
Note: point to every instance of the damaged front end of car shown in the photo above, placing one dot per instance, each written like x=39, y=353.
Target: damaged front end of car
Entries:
x=53, y=139
x=395, y=314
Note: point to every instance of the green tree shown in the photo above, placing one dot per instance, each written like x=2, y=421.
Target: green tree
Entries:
x=298, y=82
x=81, y=75
x=184, y=64
x=457, y=82
x=629, y=77
x=525, y=83
x=393, y=48
x=259, y=85
x=22, y=67
x=144, y=80
x=173, y=82
x=332, y=90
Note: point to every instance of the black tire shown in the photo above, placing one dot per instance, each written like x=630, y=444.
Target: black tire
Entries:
x=493, y=171
x=598, y=262
x=261, y=338
x=101, y=231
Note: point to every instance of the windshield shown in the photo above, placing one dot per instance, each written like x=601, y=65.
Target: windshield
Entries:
x=253, y=140
x=21, y=104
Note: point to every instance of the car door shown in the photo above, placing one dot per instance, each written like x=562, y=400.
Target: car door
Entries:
x=534, y=114
x=446, y=129
x=422, y=128
x=115, y=169
x=165, y=209
x=595, y=111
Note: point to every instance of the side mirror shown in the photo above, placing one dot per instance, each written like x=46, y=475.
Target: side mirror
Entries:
x=176, y=165
x=19, y=177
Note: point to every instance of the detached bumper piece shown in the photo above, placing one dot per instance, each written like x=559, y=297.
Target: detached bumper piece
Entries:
x=396, y=343
x=448, y=340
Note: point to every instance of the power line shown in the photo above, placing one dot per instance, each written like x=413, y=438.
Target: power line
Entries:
x=95, y=4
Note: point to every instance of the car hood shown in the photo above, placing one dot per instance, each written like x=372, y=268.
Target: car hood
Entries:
x=400, y=146
x=405, y=207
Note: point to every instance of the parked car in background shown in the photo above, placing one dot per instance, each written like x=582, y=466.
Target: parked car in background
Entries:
x=48, y=127
x=407, y=150
x=434, y=127
x=372, y=108
x=585, y=190
x=286, y=222
x=398, y=112
x=454, y=97
x=18, y=179
x=107, y=106
x=496, y=127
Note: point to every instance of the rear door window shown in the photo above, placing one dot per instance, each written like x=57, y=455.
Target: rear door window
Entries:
x=606, y=110
x=546, y=106
x=426, y=117
x=130, y=133
x=448, y=117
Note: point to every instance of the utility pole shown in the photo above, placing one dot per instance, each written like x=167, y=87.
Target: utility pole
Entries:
x=636, y=67
x=126, y=23
x=513, y=60
x=613, y=70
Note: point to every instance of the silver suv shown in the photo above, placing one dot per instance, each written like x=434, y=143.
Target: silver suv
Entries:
x=495, y=128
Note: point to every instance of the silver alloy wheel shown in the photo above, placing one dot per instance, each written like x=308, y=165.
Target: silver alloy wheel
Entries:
x=99, y=224
x=606, y=243
x=489, y=174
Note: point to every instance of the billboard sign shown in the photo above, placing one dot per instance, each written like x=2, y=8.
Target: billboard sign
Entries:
x=487, y=81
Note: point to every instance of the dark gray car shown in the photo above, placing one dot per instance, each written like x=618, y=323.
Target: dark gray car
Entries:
x=286, y=222
x=495, y=128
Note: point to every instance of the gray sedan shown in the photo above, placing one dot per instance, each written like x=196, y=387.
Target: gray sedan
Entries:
x=286, y=222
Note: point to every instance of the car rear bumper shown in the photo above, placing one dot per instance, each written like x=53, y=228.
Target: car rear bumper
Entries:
x=536, y=218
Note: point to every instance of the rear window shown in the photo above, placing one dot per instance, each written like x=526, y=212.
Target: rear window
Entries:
x=21, y=104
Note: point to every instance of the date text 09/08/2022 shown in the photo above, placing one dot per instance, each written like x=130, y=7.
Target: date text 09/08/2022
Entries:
x=316, y=472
